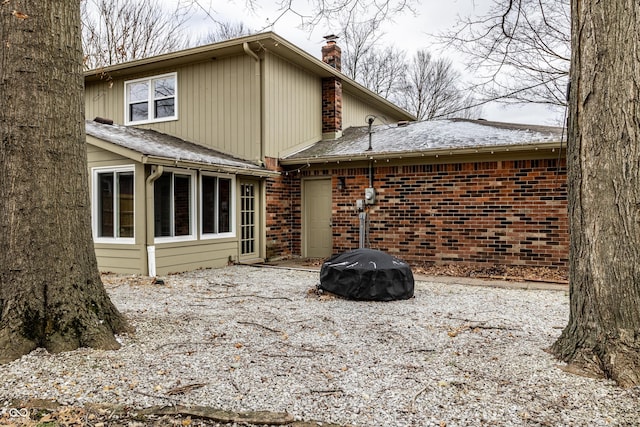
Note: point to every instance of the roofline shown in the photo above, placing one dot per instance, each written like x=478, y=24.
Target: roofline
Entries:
x=261, y=41
x=436, y=153
x=168, y=161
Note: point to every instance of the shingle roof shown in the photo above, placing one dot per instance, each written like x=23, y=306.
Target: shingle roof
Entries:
x=425, y=136
x=158, y=145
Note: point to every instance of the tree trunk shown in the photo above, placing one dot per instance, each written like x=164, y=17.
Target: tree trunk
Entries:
x=603, y=334
x=51, y=294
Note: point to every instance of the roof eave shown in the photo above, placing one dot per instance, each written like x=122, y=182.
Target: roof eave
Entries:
x=211, y=167
x=552, y=146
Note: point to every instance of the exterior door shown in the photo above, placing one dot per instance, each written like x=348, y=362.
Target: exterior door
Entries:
x=318, y=235
x=249, y=214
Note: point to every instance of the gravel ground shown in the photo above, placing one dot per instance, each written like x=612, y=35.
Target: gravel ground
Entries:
x=244, y=338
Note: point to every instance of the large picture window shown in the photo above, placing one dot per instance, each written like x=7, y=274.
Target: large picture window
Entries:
x=113, y=204
x=151, y=99
x=174, y=206
x=216, y=206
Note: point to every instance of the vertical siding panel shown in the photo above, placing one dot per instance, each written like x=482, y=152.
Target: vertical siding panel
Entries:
x=234, y=107
x=354, y=112
x=292, y=105
x=227, y=110
x=218, y=103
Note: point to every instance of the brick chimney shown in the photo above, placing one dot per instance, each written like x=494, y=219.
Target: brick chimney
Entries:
x=331, y=52
x=332, y=91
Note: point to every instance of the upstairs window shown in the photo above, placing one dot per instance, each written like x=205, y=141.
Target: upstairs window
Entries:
x=152, y=99
x=113, y=204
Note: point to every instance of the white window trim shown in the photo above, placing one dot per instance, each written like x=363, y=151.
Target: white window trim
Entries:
x=232, y=233
x=94, y=204
x=150, y=100
x=193, y=232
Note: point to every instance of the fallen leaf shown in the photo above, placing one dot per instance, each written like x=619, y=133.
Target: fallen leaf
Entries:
x=19, y=15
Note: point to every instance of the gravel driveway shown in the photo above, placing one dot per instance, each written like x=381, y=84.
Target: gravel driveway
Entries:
x=245, y=338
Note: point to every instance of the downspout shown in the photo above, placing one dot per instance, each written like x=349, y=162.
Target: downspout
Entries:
x=263, y=187
x=156, y=172
x=256, y=58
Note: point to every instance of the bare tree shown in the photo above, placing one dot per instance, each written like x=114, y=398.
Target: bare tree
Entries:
x=431, y=89
x=519, y=53
x=116, y=31
x=51, y=294
x=603, y=332
x=312, y=13
x=358, y=40
x=225, y=31
x=382, y=70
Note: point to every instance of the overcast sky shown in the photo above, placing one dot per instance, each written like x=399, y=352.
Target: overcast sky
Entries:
x=409, y=32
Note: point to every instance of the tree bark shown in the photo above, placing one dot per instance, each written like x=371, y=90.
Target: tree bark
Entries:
x=51, y=294
x=603, y=333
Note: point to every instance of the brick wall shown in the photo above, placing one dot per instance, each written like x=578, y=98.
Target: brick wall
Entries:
x=283, y=216
x=503, y=212
x=331, y=105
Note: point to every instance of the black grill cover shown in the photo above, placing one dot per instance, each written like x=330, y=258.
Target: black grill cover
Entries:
x=367, y=274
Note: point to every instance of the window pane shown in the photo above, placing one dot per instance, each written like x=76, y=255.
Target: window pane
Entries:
x=182, y=205
x=125, y=204
x=224, y=206
x=164, y=87
x=162, y=205
x=138, y=111
x=105, y=205
x=164, y=108
x=209, y=204
x=138, y=91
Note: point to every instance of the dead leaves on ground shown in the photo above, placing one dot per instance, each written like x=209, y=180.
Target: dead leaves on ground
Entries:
x=112, y=280
x=497, y=272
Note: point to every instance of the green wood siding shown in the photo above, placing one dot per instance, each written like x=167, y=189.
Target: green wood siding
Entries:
x=354, y=112
x=218, y=104
x=187, y=256
x=293, y=106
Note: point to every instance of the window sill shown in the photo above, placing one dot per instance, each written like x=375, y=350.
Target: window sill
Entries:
x=103, y=240
x=217, y=236
x=159, y=240
x=146, y=122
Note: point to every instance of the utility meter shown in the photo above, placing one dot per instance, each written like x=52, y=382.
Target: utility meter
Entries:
x=369, y=196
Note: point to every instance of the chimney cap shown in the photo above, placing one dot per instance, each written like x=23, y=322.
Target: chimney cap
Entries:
x=331, y=38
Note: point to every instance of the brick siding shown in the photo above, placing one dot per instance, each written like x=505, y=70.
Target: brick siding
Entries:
x=331, y=105
x=502, y=212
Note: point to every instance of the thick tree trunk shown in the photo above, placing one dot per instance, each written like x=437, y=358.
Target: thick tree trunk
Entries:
x=603, y=334
x=51, y=294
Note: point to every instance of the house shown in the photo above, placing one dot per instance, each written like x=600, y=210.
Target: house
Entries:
x=444, y=191
x=252, y=149
x=184, y=150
